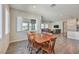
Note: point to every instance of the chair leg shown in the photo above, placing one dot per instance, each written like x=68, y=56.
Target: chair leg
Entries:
x=53, y=51
x=38, y=50
x=30, y=50
x=28, y=46
x=44, y=52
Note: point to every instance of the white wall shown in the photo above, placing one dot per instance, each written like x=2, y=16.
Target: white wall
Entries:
x=18, y=36
x=4, y=42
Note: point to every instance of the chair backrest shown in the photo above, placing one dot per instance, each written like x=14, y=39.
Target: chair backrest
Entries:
x=31, y=36
x=50, y=44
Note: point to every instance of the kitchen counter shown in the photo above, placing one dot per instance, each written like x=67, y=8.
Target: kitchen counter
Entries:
x=73, y=35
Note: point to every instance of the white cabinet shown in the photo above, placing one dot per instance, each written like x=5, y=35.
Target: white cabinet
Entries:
x=71, y=25
x=73, y=35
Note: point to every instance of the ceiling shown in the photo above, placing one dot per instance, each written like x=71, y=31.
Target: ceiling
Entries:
x=50, y=13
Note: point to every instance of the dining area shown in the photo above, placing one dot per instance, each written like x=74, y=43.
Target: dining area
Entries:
x=44, y=42
x=39, y=34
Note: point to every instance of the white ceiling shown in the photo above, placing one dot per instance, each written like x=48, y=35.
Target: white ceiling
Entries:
x=58, y=12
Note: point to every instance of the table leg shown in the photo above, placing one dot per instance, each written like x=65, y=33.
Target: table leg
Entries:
x=38, y=50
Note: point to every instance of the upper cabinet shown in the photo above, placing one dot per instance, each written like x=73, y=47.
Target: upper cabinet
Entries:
x=71, y=25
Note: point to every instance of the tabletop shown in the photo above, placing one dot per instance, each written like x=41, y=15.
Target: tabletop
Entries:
x=42, y=39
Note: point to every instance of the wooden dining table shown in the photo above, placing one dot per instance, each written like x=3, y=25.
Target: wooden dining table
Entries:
x=42, y=39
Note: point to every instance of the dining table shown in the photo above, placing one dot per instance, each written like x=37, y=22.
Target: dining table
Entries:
x=40, y=39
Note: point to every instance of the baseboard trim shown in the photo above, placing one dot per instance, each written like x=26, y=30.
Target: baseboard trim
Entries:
x=17, y=40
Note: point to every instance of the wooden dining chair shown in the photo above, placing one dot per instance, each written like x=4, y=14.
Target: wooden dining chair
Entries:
x=30, y=40
x=48, y=47
x=53, y=45
x=34, y=46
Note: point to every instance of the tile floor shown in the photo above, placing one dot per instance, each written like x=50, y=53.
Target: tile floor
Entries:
x=62, y=46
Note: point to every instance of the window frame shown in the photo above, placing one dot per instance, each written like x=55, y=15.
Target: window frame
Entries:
x=26, y=26
x=44, y=26
x=1, y=22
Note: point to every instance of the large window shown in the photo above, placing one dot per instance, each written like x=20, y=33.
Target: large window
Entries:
x=44, y=26
x=18, y=21
x=33, y=24
x=25, y=26
x=7, y=21
x=0, y=21
x=22, y=24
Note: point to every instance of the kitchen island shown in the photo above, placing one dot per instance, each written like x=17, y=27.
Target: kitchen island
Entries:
x=73, y=35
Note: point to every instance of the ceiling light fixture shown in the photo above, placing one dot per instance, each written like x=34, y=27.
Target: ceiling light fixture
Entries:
x=52, y=5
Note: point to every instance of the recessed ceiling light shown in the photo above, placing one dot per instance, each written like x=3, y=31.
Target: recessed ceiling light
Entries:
x=34, y=6
x=52, y=5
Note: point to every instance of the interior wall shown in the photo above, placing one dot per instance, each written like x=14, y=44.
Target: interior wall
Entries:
x=22, y=35
x=4, y=42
